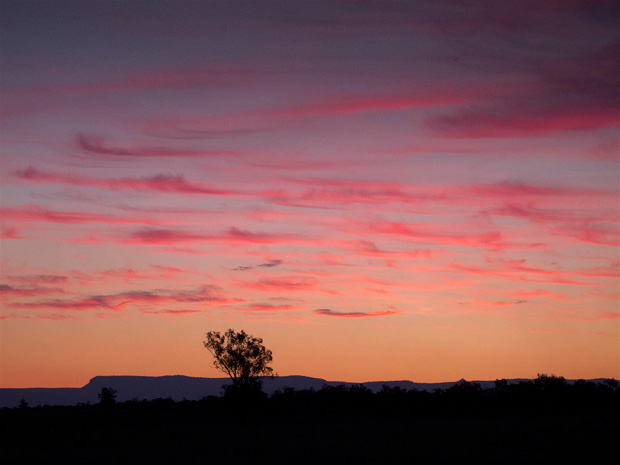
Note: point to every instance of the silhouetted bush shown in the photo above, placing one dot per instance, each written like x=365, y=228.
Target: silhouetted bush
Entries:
x=107, y=396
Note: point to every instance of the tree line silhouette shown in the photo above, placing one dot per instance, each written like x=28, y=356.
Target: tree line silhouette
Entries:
x=546, y=393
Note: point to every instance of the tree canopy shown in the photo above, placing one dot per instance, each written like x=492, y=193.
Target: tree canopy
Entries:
x=241, y=356
x=107, y=396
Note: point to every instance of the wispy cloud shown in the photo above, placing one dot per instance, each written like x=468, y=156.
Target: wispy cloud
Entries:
x=269, y=307
x=10, y=232
x=346, y=105
x=446, y=235
x=118, y=301
x=7, y=290
x=287, y=283
x=269, y=264
x=493, y=303
x=333, y=313
x=572, y=94
x=159, y=183
x=96, y=145
x=170, y=312
x=35, y=213
x=232, y=235
x=38, y=279
x=522, y=270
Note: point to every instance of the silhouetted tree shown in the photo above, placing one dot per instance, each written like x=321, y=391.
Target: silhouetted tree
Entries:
x=501, y=384
x=242, y=357
x=546, y=382
x=612, y=384
x=107, y=396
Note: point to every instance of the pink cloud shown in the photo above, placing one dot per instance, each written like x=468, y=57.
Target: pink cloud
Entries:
x=10, y=233
x=595, y=232
x=533, y=214
x=57, y=304
x=444, y=235
x=159, y=183
x=53, y=317
x=129, y=275
x=250, y=122
x=170, y=312
x=239, y=235
x=572, y=93
x=163, y=236
x=168, y=269
x=519, y=270
x=604, y=334
x=346, y=105
x=7, y=290
x=493, y=303
x=510, y=189
x=596, y=227
x=232, y=235
x=612, y=271
x=288, y=283
x=269, y=264
x=370, y=249
x=524, y=295
x=97, y=145
x=38, y=279
x=613, y=295
x=492, y=123
x=591, y=318
x=268, y=307
x=330, y=193
x=521, y=199
x=200, y=127
x=116, y=302
x=333, y=313
x=36, y=213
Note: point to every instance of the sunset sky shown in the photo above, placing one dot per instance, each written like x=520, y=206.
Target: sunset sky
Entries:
x=381, y=190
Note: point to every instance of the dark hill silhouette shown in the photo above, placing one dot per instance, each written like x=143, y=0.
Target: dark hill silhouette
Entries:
x=144, y=387
x=191, y=388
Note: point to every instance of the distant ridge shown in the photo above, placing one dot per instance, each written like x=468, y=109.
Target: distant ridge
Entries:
x=180, y=387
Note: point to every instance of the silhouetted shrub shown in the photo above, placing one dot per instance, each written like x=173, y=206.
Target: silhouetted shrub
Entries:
x=107, y=396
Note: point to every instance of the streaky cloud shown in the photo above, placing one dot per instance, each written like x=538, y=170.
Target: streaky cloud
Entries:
x=36, y=213
x=97, y=145
x=117, y=302
x=159, y=182
x=231, y=235
x=333, y=313
x=271, y=264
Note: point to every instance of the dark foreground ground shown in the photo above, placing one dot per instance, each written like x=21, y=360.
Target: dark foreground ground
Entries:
x=331, y=427
x=98, y=437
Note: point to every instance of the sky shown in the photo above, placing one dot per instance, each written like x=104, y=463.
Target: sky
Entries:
x=381, y=190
